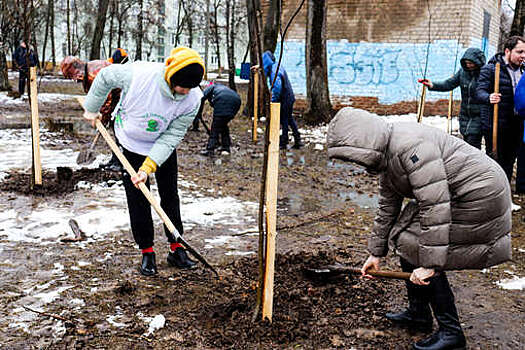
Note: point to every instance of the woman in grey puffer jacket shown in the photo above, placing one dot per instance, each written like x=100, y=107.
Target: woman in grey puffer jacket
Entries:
x=459, y=216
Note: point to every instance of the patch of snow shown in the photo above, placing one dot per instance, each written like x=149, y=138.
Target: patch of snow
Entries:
x=58, y=330
x=156, y=323
x=319, y=147
x=83, y=263
x=24, y=326
x=77, y=302
x=52, y=295
x=42, y=97
x=112, y=320
x=237, y=253
x=515, y=283
x=521, y=250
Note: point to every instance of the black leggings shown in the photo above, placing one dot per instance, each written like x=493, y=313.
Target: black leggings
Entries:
x=139, y=207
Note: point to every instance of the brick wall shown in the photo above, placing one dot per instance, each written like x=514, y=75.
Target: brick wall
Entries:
x=399, y=20
x=379, y=48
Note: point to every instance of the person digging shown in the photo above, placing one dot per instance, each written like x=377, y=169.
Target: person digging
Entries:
x=225, y=103
x=158, y=104
x=458, y=217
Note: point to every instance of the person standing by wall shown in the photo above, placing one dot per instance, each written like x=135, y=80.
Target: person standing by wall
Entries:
x=24, y=57
x=466, y=78
x=510, y=127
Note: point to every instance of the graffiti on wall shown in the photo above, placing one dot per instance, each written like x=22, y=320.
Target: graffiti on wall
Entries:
x=388, y=71
x=369, y=68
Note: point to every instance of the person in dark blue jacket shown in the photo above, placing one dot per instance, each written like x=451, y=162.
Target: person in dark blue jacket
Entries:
x=282, y=92
x=225, y=103
x=466, y=78
x=510, y=127
x=23, y=59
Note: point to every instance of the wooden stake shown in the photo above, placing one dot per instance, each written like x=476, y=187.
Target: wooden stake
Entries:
x=495, y=115
x=35, y=129
x=421, y=107
x=449, y=116
x=255, y=103
x=272, y=177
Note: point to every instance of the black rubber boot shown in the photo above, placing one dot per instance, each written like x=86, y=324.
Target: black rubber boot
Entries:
x=450, y=335
x=283, y=142
x=179, y=258
x=418, y=314
x=148, y=266
x=297, y=144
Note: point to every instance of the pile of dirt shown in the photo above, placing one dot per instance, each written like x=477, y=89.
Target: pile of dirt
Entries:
x=206, y=313
x=55, y=183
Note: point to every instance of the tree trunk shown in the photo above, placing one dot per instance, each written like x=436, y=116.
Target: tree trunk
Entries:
x=99, y=29
x=518, y=23
x=4, y=81
x=48, y=15
x=271, y=26
x=217, y=36
x=51, y=5
x=230, y=37
x=111, y=28
x=207, y=39
x=68, y=20
x=318, y=98
x=140, y=31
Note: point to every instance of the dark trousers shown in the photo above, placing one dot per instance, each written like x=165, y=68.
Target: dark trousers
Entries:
x=287, y=119
x=139, y=207
x=473, y=140
x=520, y=173
x=509, y=141
x=22, y=81
x=219, y=129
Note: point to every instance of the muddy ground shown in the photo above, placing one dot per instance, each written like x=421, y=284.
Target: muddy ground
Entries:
x=325, y=211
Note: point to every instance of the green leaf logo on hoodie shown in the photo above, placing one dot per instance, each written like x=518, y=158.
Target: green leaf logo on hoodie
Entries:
x=153, y=125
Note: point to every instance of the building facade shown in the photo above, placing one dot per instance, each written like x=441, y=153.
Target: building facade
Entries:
x=381, y=47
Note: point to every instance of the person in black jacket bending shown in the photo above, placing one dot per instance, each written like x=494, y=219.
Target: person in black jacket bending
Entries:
x=23, y=58
x=226, y=104
x=510, y=127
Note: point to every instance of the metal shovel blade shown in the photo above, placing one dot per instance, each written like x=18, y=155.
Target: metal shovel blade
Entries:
x=87, y=156
x=196, y=254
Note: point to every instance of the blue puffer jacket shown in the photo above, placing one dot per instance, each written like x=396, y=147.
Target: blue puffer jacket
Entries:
x=225, y=101
x=506, y=117
x=282, y=90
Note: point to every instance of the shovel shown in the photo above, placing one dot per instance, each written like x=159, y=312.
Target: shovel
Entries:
x=87, y=156
x=178, y=238
x=329, y=272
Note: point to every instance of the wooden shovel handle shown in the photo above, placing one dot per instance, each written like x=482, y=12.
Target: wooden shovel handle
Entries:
x=495, y=115
x=377, y=273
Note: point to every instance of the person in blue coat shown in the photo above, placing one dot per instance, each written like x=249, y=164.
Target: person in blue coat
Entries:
x=23, y=58
x=282, y=92
x=225, y=103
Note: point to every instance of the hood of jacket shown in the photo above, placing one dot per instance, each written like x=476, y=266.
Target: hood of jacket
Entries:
x=360, y=137
x=268, y=61
x=475, y=55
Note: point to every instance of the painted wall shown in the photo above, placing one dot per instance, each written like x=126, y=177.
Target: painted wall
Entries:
x=388, y=71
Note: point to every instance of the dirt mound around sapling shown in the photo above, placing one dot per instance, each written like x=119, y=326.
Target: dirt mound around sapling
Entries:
x=55, y=183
